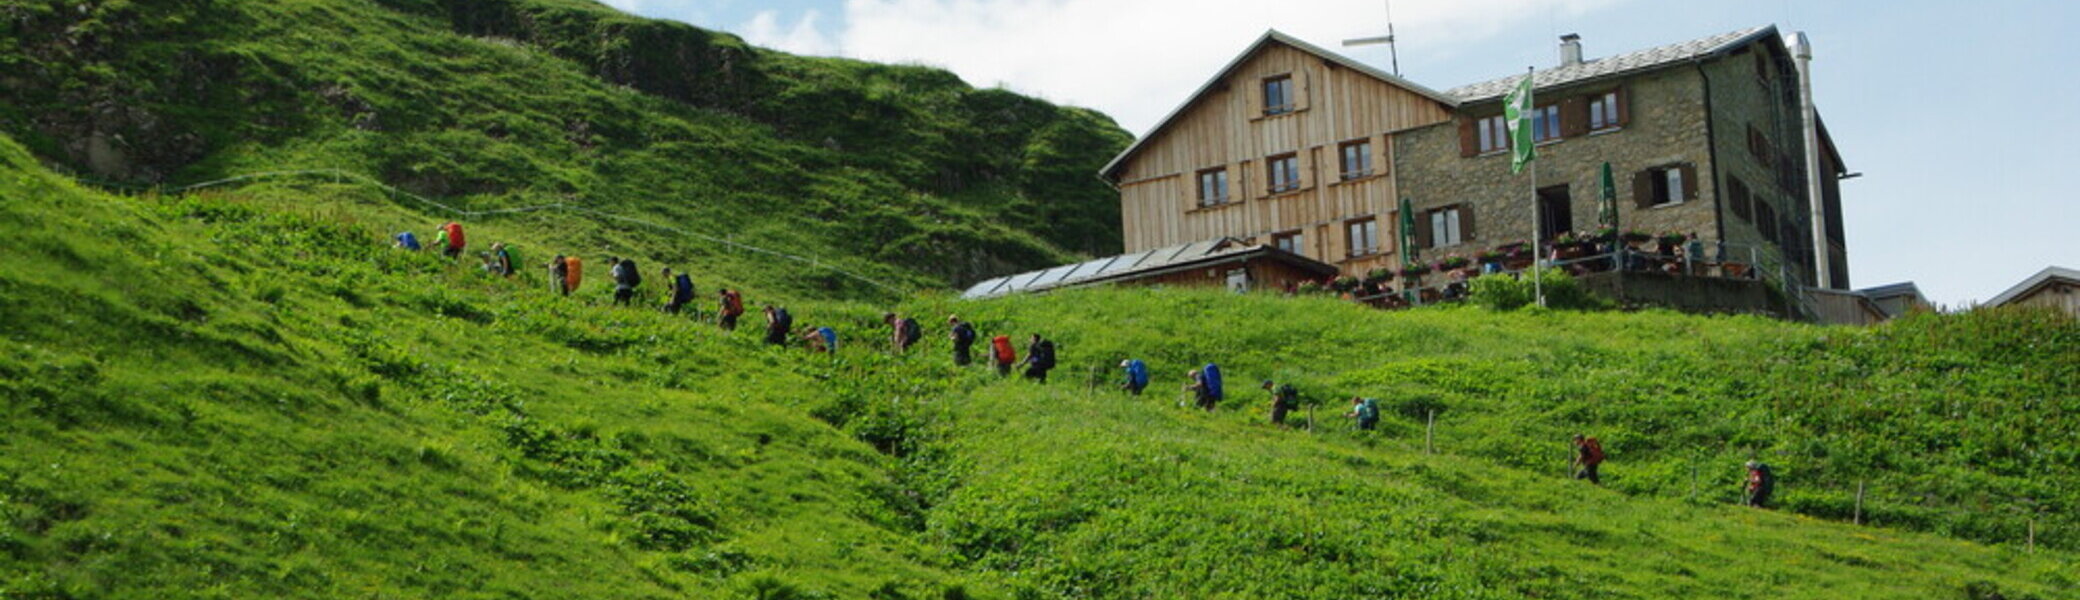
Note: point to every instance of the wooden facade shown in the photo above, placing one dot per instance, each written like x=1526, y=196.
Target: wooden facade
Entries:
x=1236, y=125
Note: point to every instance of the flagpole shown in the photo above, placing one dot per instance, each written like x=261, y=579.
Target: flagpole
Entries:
x=1538, y=287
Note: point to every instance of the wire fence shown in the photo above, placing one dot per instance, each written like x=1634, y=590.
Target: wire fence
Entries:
x=344, y=176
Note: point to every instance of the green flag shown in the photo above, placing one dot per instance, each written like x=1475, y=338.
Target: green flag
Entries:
x=1516, y=112
x=1408, y=234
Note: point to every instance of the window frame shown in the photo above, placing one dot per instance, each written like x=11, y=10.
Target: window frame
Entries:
x=1603, y=112
x=1365, y=161
x=1495, y=129
x=1449, y=219
x=1294, y=241
x=1351, y=229
x=1222, y=179
x=1271, y=171
x=1667, y=182
x=1284, y=83
x=1544, y=118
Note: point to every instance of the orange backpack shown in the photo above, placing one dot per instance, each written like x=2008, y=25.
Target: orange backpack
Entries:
x=1005, y=355
x=572, y=271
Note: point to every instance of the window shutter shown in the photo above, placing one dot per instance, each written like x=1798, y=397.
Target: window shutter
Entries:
x=1689, y=181
x=1574, y=117
x=1624, y=107
x=1465, y=223
x=1469, y=140
x=1301, y=90
x=1423, y=229
x=1643, y=188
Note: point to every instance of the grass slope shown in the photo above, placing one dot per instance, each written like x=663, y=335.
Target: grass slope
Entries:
x=250, y=396
x=902, y=173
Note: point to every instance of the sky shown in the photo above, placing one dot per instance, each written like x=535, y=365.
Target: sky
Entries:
x=1957, y=114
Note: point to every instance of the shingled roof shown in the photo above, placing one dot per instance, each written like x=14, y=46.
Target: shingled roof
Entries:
x=1616, y=66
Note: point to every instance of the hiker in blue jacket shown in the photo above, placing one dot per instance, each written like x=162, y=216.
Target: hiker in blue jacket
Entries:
x=1137, y=376
x=1366, y=411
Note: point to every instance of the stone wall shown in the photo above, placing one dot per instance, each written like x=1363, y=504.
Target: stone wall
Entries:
x=1742, y=96
x=1666, y=127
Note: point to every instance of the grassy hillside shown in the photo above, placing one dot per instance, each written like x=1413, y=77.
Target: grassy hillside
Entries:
x=250, y=395
x=901, y=173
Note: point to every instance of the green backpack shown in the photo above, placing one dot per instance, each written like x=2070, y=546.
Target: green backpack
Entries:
x=1368, y=410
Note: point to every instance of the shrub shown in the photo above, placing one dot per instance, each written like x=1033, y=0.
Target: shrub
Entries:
x=1507, y=292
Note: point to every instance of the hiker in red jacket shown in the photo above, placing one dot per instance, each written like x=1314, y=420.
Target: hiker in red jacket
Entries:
x=1588, y=453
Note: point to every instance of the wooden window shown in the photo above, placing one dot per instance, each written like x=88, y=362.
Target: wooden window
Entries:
x=1278, y=95
x=1739, y=199
x=1362, y=236
x=1494, y=133
x=1448, y=227
x=1357, y=159
x=1213, y=186
x=1666, y=185
x=1760, y=148
x=1766, y=219
x=1545, y=123
x=1603, y=112
x=1291, y=241
x=1283, y=172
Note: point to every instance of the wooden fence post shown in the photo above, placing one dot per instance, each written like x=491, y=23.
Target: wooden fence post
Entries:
x=1858, y=519
x=1430, y=434
x=2032, y=534
x=1310, y=418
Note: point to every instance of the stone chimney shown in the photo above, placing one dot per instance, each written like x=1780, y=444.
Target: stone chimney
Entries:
x=1570, y=50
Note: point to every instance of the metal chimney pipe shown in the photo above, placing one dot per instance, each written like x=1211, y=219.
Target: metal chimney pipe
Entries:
x=1570, y=50
x=1802, y=50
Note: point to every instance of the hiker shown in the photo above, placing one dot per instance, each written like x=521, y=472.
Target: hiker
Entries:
x=821, y=339
x=626, y=278
x=574, y=272
x=1588, y=453
x=1761, y=483
x=963, y=336
x=1137, y=376
x=1206, y=386
x=490, y=263
x=406, y=240
x=731, y=307
x=1284, y=399
x=778, y=322
x=450, y=239
x=1002, y=354
x=682, y=291
x=559, y=274
x=1039, y=358
x=504, y=258
x=1366, y=411
x=902, y=331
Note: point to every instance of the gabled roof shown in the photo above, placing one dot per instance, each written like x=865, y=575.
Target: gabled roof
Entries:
x=1139, y=264
x=1269, y=37
x=2034, y=282
x=1617, y=66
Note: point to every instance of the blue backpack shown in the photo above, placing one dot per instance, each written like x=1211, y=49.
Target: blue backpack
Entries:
x=1368, y=410
x=1211, y=378
x=408, y=241
x=830, y=338
x=682, y=289
x=1137, y=373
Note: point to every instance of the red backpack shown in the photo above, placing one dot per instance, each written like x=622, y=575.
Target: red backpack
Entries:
x=1595, y=451
x=454, y=234
x=1005, y=355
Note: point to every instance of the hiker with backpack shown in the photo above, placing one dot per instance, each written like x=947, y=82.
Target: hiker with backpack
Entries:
x=559, y=274
x=1205, y=386
x=778, y=323
x=1588, y=453
x=406, y=240
x=1284, y=399
x=1002, y=355
x=682, y=291
x=821, y=339
x=1137, y=376
x=1761, y=483
x=450, y=239
x=903, y=331
x=504, y=258
x=1039, y=358
x=731, y=306
x=1366, y=411
x=963, y=336
x=626, y=278
x=573, y=273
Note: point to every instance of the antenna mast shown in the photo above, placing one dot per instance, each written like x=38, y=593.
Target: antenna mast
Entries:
x=1393, y=51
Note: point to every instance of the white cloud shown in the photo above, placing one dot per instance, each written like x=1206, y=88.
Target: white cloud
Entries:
x=1135, y=59
x=803, y=37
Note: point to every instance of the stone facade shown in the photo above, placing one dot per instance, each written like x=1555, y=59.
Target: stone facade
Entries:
x=1695, y=115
